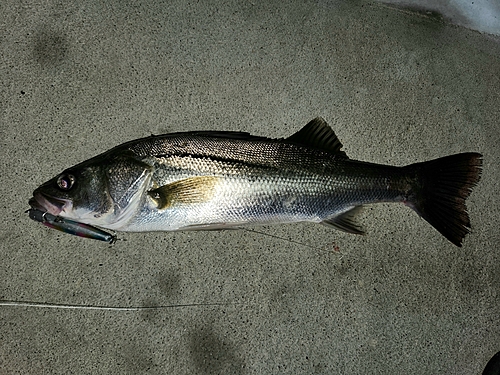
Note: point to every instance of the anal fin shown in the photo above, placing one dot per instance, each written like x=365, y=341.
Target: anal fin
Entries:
x=346, y=221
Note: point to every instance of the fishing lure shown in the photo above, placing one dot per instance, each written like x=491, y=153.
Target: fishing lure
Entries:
x=70, y=226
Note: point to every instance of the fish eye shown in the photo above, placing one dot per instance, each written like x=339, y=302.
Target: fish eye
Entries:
x=65, y=181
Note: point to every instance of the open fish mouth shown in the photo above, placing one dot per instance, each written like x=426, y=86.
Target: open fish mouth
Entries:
x=48, y=204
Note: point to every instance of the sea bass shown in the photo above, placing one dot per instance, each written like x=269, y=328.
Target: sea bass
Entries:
x=219, y=180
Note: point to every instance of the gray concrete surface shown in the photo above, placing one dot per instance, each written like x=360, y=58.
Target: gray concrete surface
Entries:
x=80, y=77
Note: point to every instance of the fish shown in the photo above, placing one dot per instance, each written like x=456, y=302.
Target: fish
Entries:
x=214, y=180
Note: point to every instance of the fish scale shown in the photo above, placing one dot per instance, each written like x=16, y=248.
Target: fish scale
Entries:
x=219, y=180
x=253, y=194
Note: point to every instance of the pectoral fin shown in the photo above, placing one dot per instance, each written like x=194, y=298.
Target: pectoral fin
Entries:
x=345, y=221
x=189, y=190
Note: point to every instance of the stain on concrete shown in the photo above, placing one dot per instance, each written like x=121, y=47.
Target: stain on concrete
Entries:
x=168, y=283
x=50, y=47
x=213, y=354
x=136, y=360
x=167, y=290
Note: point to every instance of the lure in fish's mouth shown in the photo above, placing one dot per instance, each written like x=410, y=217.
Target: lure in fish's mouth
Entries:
x=70, y=226
x=48, y=204
x=46, y=209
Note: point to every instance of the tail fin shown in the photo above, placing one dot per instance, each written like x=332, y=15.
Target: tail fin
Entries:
x=439, y=196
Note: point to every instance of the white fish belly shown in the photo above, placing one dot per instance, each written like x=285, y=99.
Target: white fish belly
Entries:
x=238, y=201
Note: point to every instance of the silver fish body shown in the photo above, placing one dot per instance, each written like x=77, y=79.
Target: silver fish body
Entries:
x=217, y=180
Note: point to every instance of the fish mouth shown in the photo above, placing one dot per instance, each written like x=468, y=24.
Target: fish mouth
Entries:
x=47, y=203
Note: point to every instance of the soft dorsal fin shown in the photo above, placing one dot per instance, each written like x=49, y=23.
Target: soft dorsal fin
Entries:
x=318, y=134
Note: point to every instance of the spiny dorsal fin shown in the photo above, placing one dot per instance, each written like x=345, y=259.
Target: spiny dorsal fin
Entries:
x=189, y=190
x=345, y=221
x=318, y=134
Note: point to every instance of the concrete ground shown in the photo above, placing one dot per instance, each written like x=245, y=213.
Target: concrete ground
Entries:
x=80, y=77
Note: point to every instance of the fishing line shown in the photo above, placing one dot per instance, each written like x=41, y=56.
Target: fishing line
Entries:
x=62, y=306
x=103, y=308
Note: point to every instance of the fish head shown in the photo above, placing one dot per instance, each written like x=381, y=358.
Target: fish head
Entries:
x=102, y=191
x=76, y=193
